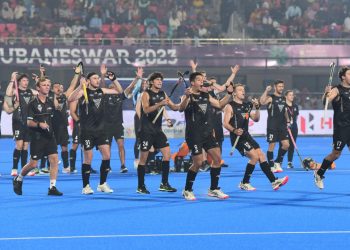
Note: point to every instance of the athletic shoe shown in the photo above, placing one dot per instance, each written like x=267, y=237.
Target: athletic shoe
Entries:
x=31, y=173
x=166, y=188
x=54, y=191
x=59, y=162
x=14, y=172
x=189, y=195
x=104, y=188
x=278, y=167
x=142, y=190
x=290, y=165
x=17, y=186
x=44, y=171
x=205, y=167
x=246, y=186
x=66, y=170
x=87, y=190
x=36, y=170
x=73, y=171
x=279, y=183
x=318, y=180
x=123, y=169
x=217, y=193
x=93, y=171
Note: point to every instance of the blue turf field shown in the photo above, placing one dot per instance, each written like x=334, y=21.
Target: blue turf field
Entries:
x=298, y=216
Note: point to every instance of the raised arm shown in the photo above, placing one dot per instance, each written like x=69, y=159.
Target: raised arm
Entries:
x=255, y=116
x=78, y=92
x=130, y=88
x=230, y=79
x=74, y=81
x=103, y=71
x=220, y=104
x=330, y=93
x=265, y=99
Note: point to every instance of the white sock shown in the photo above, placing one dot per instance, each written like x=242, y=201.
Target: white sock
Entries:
x=52, y=183
x=19, y=177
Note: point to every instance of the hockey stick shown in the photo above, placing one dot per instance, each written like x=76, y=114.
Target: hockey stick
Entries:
x=332, y=66
x=246, y=118
x=296, y=148
x=81, y=65
x=179, y=81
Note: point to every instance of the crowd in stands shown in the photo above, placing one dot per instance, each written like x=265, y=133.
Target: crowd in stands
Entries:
x=72, y=19
x=298, y=18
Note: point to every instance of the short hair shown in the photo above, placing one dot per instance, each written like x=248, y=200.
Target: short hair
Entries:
x=55, y=83
x=342, y=72
x=41, y=79
x=21, y=76
x=194, y=75
x=238, y=85
x=278, y=82
x=154, y=76
x=288, y=91
x=90, y=75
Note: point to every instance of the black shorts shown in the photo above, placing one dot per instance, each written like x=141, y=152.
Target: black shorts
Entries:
x=89, y=140
x=197, y=144
x=20, y=132
x=116, y=131
x=76, y=133
x=341, y=137
x=42, y=146
x=219, y=133
x=244, y=144
x=276, y=135
x=61, y=135
x=157, y=140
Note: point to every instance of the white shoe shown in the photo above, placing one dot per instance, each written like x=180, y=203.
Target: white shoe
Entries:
x=217, y=193
x=87, y=190
x=14, y=172
x=104, y=188
x=31, y=173
x=278, y=167
x=189, y=195
x=66, y=170
x=279, y=183
x=318, y=180
x=246, y=186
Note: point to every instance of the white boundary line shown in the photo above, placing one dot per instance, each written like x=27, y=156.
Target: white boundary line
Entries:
x=168, y=235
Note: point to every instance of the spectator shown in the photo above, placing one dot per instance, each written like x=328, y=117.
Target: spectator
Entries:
x=95, y=23
x=174, y=21
x=152, y=31
x=65, y=30
x=7, y=12
x=293, y=11
x=77, y=28
x=19, y=11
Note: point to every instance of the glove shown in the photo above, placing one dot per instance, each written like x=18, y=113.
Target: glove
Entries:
x=111, y=75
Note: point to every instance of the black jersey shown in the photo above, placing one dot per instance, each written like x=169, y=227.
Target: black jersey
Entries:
x=60, y=115
x=114, y=108
x=21, y=113
x=276, y=112
x=216, y=113
x=341, y=106
x=92, y=114
x=293, y=113
x=39, y=111
x=198, y=114
x=146, y=119
x=241, y=114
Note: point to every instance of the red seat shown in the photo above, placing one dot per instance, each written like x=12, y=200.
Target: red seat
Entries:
x=2, y=27
x=98, y=38
x=116, y=28
x=112, y=38
x=90, y=38
x=106, y=28
x=11, y=27
x=163, y=28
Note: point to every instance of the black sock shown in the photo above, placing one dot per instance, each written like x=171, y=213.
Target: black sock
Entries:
x=64, y=156
x=136, y=150
x=214, y=177
x=290, y=153
x=16, y=156
x=24, y=157
x=191, y=176
x=141, y=175
x=248, y=172
x=165, y=171
x=43, y=162
x=269, y=155
x=325, y=165
x=85, y=173
x=281, y=153
x=72, y=158
x=104, y=170
x=267, y=171
x=151, y=156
